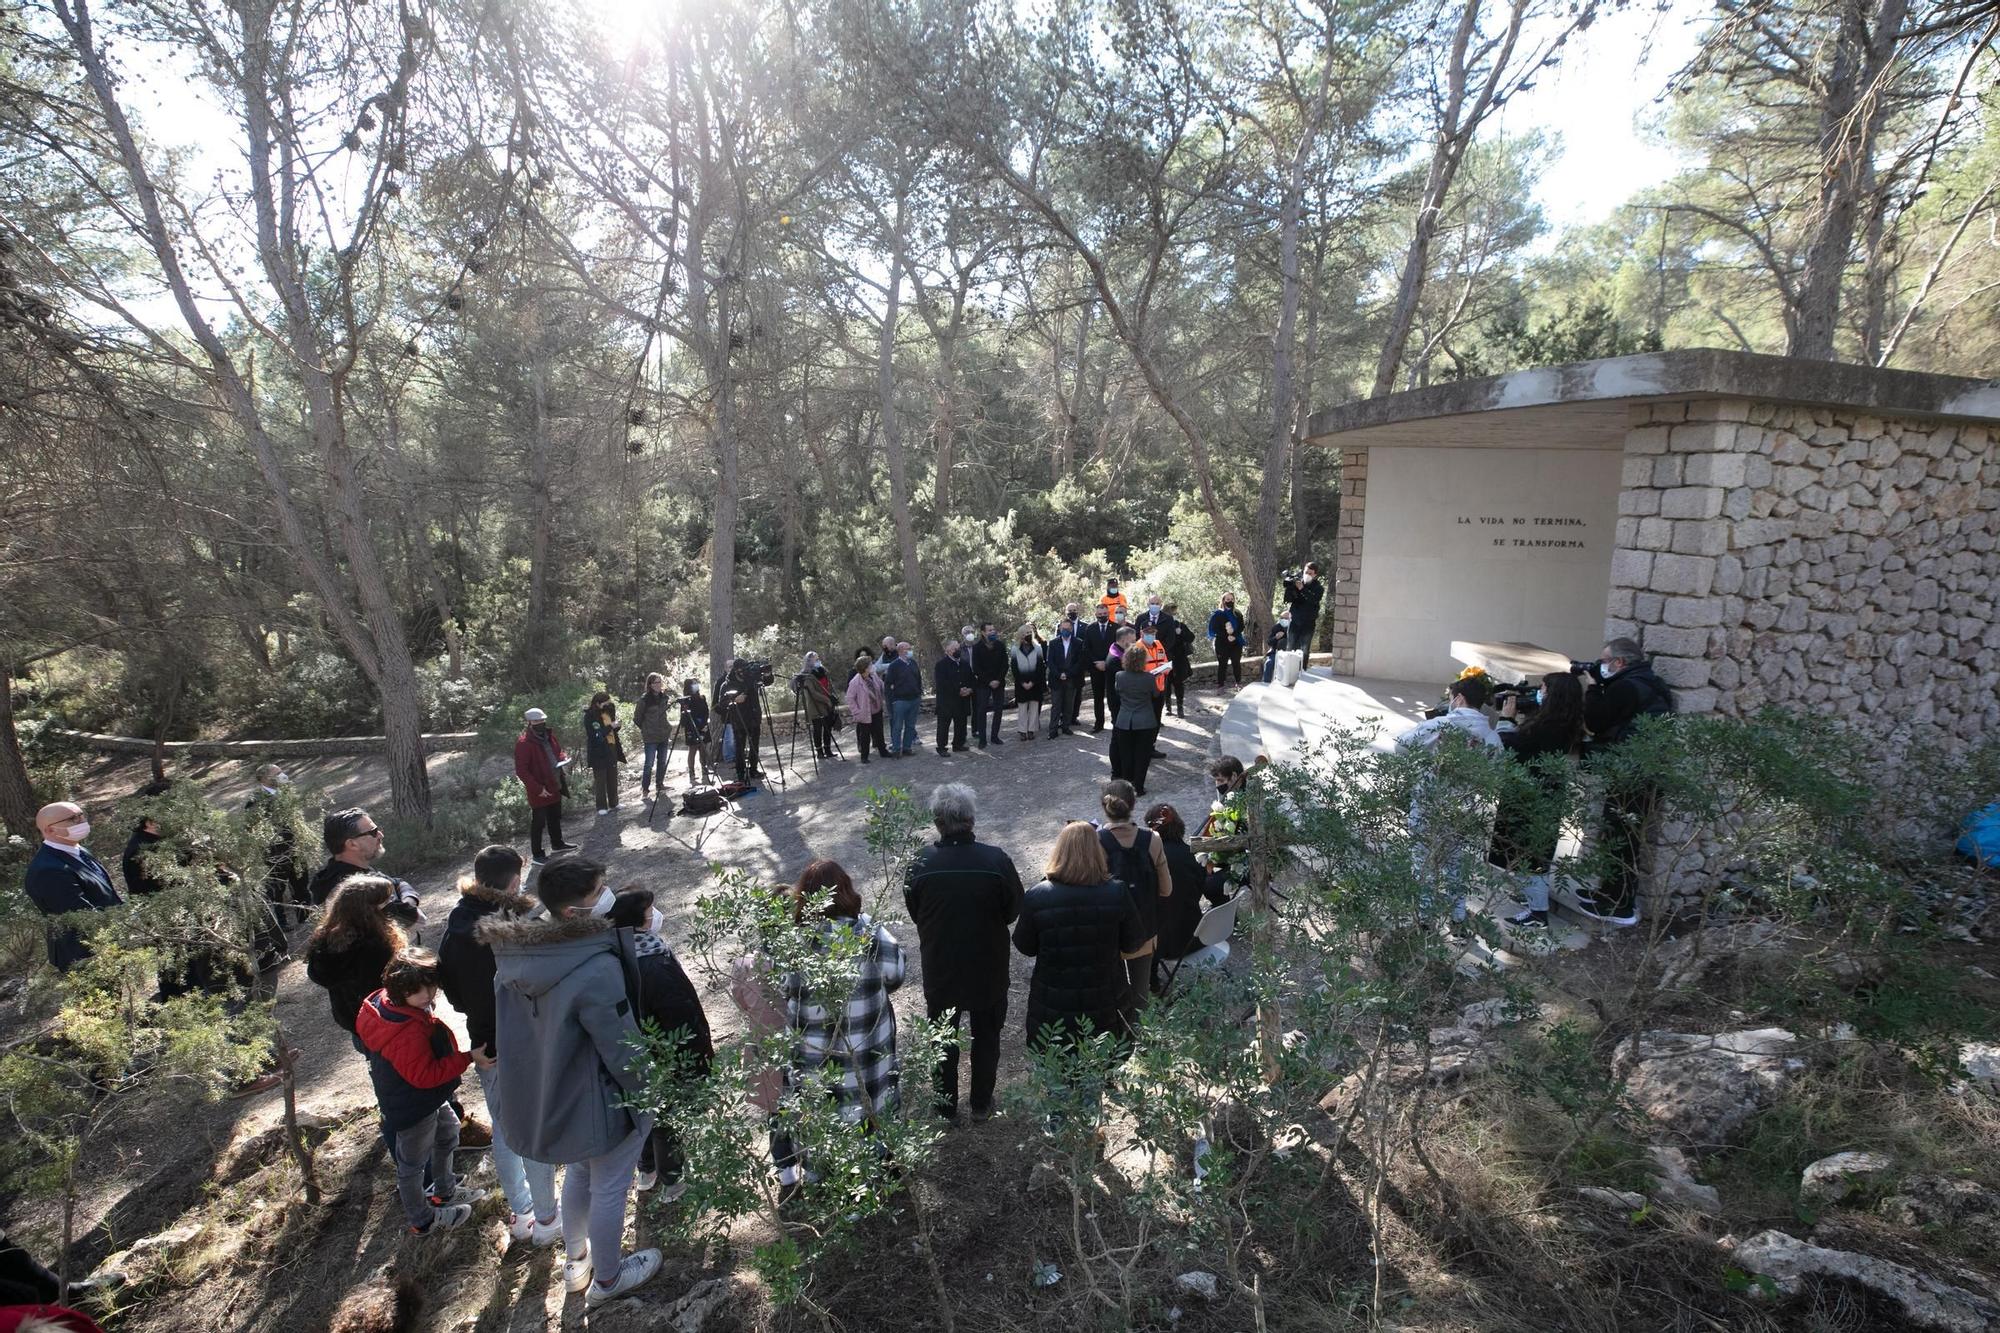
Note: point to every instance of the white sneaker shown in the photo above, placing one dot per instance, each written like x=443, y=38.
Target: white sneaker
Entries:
x=448, y=1218
x=520, y=1225
x=462, y=1194
x=648, y=1179
x=604, y=811
x=544, y=1234
x=636, y=1271
x=576, y=1270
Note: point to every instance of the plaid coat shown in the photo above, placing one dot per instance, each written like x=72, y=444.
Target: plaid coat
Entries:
x=859, y=1038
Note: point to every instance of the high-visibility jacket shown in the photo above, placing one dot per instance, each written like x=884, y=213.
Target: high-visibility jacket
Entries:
x=1114, y=602
x=1157, y=664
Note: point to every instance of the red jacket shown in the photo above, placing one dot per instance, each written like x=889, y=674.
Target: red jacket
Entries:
x=422, y=1059
x=537, y=774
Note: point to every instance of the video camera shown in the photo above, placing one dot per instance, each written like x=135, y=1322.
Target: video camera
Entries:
x=747, y=673
x=1522, y=692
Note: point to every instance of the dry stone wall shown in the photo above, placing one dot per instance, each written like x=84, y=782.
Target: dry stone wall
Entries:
x=1346, y=610
x=1777, y=554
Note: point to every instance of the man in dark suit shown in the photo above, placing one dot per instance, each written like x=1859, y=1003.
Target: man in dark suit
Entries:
x=64, y=877
x=1096, y=638
x=1067, y=669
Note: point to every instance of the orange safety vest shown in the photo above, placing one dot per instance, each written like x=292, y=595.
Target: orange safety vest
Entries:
x=1156, y=657
x=1114, y=603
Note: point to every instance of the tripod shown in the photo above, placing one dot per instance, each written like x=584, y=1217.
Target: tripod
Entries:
x=770, y=733
x=833, y=734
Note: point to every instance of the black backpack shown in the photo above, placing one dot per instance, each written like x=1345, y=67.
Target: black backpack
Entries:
x=1133, y=867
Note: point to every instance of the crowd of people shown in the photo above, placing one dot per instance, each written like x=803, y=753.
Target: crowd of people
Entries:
x=1132, y=667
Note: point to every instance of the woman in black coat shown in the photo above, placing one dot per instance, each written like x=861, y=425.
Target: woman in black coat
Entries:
x=1179, y=640
x=354, y=942
x=1181, y=913
x=1030, y=660
x=1080, y=927
x=668, y=999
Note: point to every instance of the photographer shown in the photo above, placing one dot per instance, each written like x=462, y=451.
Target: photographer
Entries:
x=742, y=707
x=1303, y=593
x=693, y=724
x=815, y=689
x=1624, y=691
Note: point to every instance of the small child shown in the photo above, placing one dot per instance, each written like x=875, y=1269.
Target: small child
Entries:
x=415, y=1065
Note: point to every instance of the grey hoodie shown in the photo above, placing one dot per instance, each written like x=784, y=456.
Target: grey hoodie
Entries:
x=563, y=1033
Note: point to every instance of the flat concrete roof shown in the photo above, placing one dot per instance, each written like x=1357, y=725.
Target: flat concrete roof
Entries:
x=1583, y=405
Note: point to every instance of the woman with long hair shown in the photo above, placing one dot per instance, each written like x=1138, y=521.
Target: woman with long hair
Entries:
x=1029, y=660
x=603, y=749
x=1080, y=927
x=1526, y=832
x=354, y=941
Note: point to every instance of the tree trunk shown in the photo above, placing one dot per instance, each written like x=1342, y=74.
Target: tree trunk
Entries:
x=17, y=793
x=892, y=442
x=295, y=1138
x=541, y=513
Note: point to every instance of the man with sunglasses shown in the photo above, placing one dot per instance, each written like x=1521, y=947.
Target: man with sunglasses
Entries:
x=354, y=842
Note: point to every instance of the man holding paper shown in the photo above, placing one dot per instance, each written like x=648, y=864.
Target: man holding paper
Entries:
x=539, y=762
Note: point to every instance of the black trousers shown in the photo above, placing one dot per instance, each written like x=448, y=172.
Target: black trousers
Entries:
x=867, y=734
x=1177, y=687
x=1302, y=636
x=987, y=704
x=749, y=739
x=1132, y=755
x=1229, y=658
x=1100, y=686
x=986, y=1025
x=545, y=817
x=952, y=716
x=822, y=736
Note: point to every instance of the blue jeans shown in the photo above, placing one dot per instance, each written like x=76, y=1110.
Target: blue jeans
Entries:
x=420, y=1151
x=655, y=751
x=903, y=726
x=593, y=1202
x=530, y=1187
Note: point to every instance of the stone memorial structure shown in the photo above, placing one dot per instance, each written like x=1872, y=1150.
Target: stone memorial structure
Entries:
x=1771, y=531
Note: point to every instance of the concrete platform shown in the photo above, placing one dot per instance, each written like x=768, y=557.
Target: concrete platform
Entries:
x=1282, y=724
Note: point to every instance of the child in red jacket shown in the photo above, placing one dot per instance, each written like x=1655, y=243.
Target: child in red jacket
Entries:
x=415, y=1064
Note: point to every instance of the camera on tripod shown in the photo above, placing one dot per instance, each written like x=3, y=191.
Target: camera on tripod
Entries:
x=747, y=674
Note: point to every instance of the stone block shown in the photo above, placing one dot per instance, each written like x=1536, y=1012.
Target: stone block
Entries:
x=1675, y=641
x=1693, y=612
x=1717, y=469
x=1638, y=470
x=1647, y=606
x=1631, y=569
x=1692, y=537
x=1618, y=602
x=1683, y=575
x=1718, y=409
x=1655, y=534
x=1692, y=502
x=1696, y=700
x=1626, y=532
x=1700, y=437
x=1668, y=468
x=1756, y=470
x=1639, y=502
x=1787, y=449
x=1728, y=575
x=1645, y=441
x=1683, y=673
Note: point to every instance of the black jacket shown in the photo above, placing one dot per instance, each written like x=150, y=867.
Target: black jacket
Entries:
x=991, y=661
x=138, y=880
x=1096, y=638
x=694, y=712
x=1077, y=934
x=1066, y=656
x=286, y=874
x=1304, y=599
x=1180, y=914
x=465, y=964
x=1029, y=685
x=1611, y=710
x=350, y=975
x=963, y=895
x=948, y=676
x=667, y=998
x=330, y=877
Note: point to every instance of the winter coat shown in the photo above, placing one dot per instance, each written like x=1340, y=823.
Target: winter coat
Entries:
x=1304, y=599
x=962, y=895
x=1135, y=700
x=818, y=694
x=1179, y=641
x=1078, y=935
x=667, y=998
x=286, y=875
x=563, y=1026
x=856, y=1035
x=902, y=680
x=58, y=882
x=1181, y=913
x=694, y=710
x=948, y=677
x=1065, y=657
x=991, y=659
x=754, y=991
x=537, y=763
x=1612, y=709
x=864, y=696
x=350, y=974
x=1031, y=671
x=600, y=738
x=655, y=717
x=465, y=964
x=413, y=1060
x=1221, y=622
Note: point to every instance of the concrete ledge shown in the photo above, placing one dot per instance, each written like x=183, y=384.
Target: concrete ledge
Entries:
x=1687, y=373
x=434, y=743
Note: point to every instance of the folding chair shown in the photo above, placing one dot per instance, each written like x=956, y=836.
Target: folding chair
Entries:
x=1211, y=935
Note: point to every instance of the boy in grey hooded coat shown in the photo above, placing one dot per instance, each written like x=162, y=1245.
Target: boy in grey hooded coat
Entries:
x=564, y=1035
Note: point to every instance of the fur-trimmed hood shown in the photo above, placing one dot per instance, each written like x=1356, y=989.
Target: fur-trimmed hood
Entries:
x=513, y=904
x=532, y=957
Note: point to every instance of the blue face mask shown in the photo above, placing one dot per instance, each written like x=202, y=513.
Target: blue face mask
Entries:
x=1064, y=631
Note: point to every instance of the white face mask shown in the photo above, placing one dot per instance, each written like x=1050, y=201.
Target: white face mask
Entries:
x=656, y=922
x=78, y=831
x=606, y=900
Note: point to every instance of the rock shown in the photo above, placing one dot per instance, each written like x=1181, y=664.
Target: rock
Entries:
x=1674, y=1184
x=1706, y=1087
x=1835, y=1179
x=1981, y=1062
x=1925, y=1300
x=1623, y=1200
x=117, y=1269
x=693, y=1312
x=1198, y=1283
x=1964, y=1206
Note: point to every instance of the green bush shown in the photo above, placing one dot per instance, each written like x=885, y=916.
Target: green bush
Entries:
x=468, y=811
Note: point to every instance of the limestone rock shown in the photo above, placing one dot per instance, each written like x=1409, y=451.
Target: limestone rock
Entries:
x=1198, y=1283
x=1705, y=1087
x=118, y=1269
x=1834, y=1179
x=1674, y=1184
x=1925, y=1300
x=1964, y=1206
x=703, y=1309
x=1981, y=1062
x=1623, y=1200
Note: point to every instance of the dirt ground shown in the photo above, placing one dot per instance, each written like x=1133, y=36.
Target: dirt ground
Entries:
x=162, y=1164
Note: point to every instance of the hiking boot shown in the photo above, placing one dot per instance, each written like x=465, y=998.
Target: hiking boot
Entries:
x=636, y=1271
x=645, y=1180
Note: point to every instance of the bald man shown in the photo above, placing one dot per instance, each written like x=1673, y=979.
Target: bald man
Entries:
x=64, y=877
